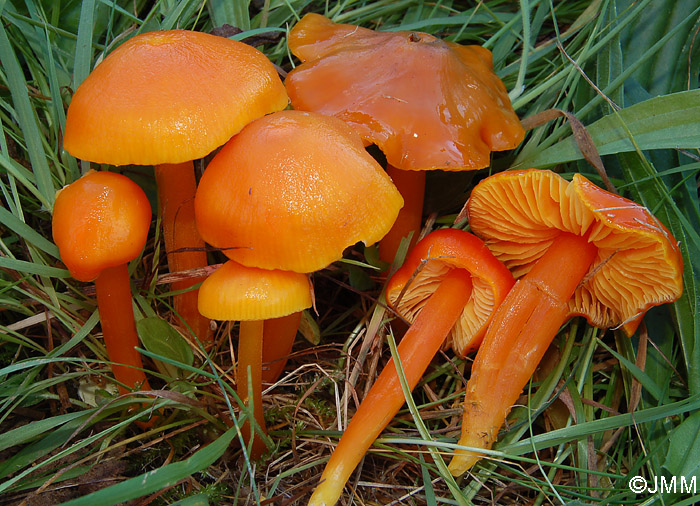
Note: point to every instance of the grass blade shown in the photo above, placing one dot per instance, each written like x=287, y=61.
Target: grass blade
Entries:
x=669, y=121
x=83, y=48
x=28, y=432
x=27, y=233
x=160, y=478
x=33, y=268
x=28, y=120
x=232, y=13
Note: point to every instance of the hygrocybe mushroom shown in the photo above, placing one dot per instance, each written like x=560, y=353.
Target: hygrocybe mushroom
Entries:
x=577, y=250
x=100, y=223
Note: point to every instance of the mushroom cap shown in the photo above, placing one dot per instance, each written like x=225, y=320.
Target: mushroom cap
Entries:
x=428, y=264
x=100, y=221
x=170, y=97
x=427, y=103
x=292, y=191
x=236, y=292
x=638, y=264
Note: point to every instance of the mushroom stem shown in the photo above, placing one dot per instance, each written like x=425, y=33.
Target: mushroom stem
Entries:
x=278, y=339
x=250, y=346
x=119, y=329
x=417, y=348
x=183, y=245
x=522, y=329
x=411, y=185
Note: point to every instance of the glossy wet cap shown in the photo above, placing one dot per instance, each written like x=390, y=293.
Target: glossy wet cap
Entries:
x=638, y=265
x=427, y=265
x=170, y=97
x=100, y=221
x=427, y=103
x=292, y=191
x=235, y=292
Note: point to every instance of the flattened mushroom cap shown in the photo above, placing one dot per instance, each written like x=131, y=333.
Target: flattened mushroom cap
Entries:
x=100, y=221
x=292, y=191
x=170, y=97
x=638, y=264
x=427, y=103
x=235, y=292
x=428, y=264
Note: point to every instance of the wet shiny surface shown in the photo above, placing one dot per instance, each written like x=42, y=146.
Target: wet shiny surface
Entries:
x=292, y=191
x=235, y=292
x=425, y=102
x=169, y=97
x=99, y=221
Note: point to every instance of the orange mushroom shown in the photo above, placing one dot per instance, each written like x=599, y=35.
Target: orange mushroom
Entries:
x=254, y=297
x=448, y=288
x=100, y=223
x=577, y=250
x=291, y=192
x=165, y=98
x=426, y=103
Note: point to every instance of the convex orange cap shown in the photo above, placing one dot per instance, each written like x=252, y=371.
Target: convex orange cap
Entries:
x=235, y=292
x=170, y=97
x=427, y=103
x=292, y=191
x=638, y=264
x=427, y=265
x=100, y=221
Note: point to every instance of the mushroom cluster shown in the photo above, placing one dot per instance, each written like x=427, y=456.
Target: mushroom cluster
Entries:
x=290, y=190
x=161, y=98
x=284, y=198
x=448, y=288
x=287, y=195
x=165, y=98
x=577, y=251
x=430, y=104
x=426, y=103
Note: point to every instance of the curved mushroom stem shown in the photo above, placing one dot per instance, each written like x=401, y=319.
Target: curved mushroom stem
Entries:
x=176, y=190
x=417, y=348
x=278, y=339
x=522, y=329
x=119, y=329
x=411, y=185
x=250, y=345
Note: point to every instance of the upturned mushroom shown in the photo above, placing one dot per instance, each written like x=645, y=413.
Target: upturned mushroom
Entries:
x=291, y=192
x=575, y=250
x=165, y=98
x=447, y=288
x=100, y=223
x=426, y=103
x=254, y=297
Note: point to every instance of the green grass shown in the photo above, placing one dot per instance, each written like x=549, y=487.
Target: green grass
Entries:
x=601, y=409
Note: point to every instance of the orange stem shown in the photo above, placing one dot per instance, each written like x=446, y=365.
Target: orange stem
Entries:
x=522, y=329
x=278, y=339
x=250, y=344
x=119, y=328
x=176, y=190
x=417, y=348
x=411, y=185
